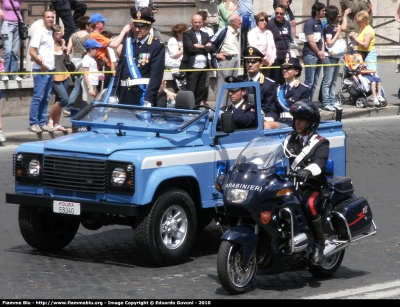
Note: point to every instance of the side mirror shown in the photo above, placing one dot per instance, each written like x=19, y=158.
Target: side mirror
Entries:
x=227, y=122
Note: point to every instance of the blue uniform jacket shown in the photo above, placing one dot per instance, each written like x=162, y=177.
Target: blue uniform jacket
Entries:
x=269, y=89
x=150, y=59
x=298, y=92
x=245, y=115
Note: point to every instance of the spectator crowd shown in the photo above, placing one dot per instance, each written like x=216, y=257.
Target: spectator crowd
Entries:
x=225, y=36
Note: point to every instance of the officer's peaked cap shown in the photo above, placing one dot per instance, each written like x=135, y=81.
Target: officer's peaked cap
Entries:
x=142, y=18
x=252, y=53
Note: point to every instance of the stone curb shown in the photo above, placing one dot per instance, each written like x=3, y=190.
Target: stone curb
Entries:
x=27, y=136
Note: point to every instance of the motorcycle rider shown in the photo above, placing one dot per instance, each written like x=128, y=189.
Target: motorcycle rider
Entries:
x=308, y=153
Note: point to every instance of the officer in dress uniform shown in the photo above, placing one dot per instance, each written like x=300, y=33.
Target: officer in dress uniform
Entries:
x=268, y=87
x=244, y=113
x=142, y=56
x=292, y=91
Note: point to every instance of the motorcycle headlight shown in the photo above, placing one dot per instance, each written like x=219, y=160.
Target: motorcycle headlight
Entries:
x=34, y=168
x=118, y=176
x=236, y=196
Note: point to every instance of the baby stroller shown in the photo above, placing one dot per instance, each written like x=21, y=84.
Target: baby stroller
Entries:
x=354, y=83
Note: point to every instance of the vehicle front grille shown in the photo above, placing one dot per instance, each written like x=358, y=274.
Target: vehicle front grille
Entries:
x=74, y=174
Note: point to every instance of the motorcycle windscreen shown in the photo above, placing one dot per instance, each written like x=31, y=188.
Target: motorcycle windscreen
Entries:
x=263, y=153
x=358, y=214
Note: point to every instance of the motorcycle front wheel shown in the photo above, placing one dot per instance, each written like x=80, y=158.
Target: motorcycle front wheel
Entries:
x=329, y=265
x=235, y=277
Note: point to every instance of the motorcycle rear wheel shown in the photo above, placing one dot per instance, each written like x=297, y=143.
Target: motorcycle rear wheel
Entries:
x=329, y=265
x=235, y=277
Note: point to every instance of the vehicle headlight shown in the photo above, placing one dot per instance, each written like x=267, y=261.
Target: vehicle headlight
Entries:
x=118, y=176
x=236, y=196
x=34, y=168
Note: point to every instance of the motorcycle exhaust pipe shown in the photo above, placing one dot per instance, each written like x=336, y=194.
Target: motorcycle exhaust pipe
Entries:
x=332, y=249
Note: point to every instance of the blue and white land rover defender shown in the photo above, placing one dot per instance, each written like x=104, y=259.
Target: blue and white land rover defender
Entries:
x=152, y=169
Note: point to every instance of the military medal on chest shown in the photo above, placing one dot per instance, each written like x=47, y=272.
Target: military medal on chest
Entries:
x=140, y=61
x=146, y=57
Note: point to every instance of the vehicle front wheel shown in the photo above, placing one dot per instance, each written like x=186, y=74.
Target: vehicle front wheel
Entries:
x=235, y=277
x=46, y=230
x=165, y=231
x=329, y=265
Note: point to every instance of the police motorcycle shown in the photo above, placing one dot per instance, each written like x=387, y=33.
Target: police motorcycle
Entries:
x=264, y=228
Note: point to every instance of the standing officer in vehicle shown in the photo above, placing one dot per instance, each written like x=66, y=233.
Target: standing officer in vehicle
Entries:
x=310, y=165
x=289, y=93
x=268, y=87
x=142, y=57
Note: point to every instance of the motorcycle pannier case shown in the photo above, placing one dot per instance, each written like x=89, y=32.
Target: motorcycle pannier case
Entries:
x=341, y=188
x=358, y=214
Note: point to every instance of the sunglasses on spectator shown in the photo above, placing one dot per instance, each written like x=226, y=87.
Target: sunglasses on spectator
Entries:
x=279, y=14
x=261, y=20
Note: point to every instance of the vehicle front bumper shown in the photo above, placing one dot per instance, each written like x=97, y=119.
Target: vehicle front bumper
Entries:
x=86, y=206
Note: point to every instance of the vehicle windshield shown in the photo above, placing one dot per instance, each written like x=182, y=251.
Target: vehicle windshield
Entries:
x=261, y=152
x=131, y=117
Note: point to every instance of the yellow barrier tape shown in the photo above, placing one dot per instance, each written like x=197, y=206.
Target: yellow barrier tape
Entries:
x=178, y=70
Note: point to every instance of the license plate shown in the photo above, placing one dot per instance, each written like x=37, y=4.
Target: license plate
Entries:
x=66, y=207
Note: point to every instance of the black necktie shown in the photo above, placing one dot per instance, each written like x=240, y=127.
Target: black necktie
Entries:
x=139, y=44
x=300, y=140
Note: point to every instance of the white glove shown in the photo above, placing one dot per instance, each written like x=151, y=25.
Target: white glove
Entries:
x=146, y=104
x=211, y=114
x=113, y=100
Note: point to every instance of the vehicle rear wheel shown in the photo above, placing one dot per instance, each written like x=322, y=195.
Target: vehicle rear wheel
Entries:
x=329, y=265
x=46, y=230
x=235, y=277
x=165, y=231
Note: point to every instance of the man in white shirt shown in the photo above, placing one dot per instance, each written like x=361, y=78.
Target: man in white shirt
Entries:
x=227, y=43
x=41, y=52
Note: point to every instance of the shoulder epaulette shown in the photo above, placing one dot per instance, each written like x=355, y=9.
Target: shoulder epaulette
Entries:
x=297, y=83
x=150, y=40
x=262, y=77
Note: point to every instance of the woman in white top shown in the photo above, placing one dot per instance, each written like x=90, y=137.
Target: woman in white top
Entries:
x=173, y=56
x=263, y=39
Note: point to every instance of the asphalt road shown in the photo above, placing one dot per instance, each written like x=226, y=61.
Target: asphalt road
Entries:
x=103, y=264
